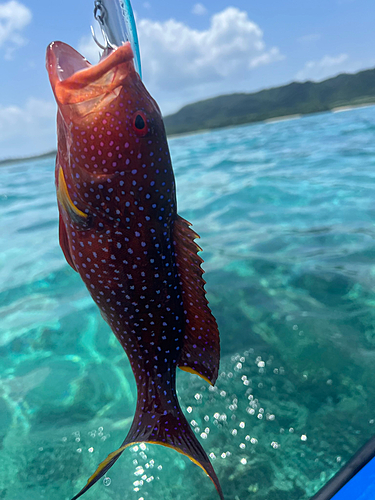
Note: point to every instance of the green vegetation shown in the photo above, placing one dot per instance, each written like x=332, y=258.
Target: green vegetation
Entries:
x=292, y=99
x=8, y=161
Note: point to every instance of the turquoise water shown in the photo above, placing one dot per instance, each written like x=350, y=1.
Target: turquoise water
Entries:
x=286, y=215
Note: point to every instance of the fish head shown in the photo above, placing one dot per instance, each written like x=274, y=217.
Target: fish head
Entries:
x=109, y=129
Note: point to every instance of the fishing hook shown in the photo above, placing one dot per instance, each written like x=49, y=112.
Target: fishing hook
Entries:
x=100, y=13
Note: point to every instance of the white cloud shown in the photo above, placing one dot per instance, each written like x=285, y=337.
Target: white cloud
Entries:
x=324, y=68
x=33, y=124
x=14, y=17
x=176, y=56
x=199, y=9
x=181, y=64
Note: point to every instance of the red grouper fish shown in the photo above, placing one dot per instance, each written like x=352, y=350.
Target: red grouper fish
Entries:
x=119, y=229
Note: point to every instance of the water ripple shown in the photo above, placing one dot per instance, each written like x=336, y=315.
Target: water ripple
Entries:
x=286, y=215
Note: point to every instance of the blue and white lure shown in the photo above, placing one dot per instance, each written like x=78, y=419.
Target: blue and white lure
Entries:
x=117, y=23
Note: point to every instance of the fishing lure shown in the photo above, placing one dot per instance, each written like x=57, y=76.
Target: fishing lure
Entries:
x=117, y=23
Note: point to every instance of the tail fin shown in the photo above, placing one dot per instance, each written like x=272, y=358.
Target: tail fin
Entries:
x=169, y=429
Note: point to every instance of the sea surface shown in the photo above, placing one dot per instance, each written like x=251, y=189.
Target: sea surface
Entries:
x=286, y=214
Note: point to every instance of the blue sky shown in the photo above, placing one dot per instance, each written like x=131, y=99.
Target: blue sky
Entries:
x=189, y=50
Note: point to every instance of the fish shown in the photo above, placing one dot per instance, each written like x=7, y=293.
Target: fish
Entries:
x=120, y=231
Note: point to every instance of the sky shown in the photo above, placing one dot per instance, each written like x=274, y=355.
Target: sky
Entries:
x=189, y=51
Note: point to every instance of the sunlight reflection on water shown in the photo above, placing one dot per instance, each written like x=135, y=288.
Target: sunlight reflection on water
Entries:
x=285, y=211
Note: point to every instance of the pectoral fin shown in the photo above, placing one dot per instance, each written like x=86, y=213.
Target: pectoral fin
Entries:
x=66, y=202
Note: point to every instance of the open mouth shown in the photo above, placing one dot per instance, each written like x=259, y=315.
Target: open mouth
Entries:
x=74, y=79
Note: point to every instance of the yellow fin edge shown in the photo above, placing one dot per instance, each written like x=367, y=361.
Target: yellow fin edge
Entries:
x=114, y=454
x=106, y=461
x=190, y=370
x=64, y=198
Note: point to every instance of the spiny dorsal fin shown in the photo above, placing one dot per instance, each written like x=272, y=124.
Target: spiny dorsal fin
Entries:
x=201, y=351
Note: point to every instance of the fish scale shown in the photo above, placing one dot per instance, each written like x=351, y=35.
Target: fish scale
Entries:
x=119, y=229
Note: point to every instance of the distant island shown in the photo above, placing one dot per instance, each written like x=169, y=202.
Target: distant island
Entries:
x=292, y=99
x=9, y=161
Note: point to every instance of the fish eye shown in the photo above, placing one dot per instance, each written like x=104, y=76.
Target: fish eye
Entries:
x=140, y=123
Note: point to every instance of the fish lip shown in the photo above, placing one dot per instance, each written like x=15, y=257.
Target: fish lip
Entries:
x=69, y=72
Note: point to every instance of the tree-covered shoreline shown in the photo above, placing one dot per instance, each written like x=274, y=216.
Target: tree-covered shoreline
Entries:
x=292, y=99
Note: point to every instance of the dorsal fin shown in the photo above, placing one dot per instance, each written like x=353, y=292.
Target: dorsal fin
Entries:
x=201, y=351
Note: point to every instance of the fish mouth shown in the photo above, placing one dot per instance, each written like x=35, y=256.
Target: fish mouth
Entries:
x=74, y=79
